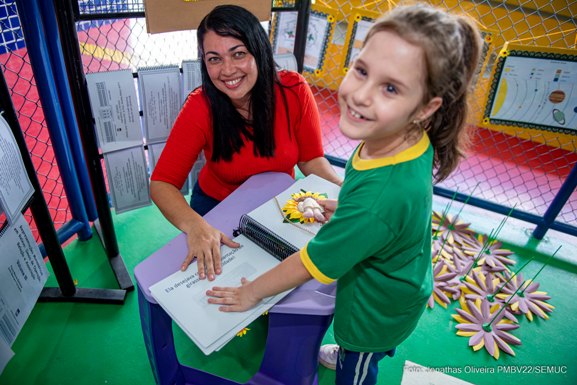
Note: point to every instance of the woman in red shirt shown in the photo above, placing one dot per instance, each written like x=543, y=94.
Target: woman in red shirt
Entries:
x=247, y=118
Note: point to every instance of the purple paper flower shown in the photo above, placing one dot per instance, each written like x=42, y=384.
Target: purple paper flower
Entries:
x=482, y=285
x=443, y=273
x=451, y=228
x=527, y=300
x=488, y=253
x=484, y=324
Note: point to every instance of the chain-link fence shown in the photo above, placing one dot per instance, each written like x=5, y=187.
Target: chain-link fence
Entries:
x=509, y=166
x=15, y=65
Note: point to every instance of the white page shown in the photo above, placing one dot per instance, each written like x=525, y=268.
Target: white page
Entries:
x=286, y=61
x=6, y=354
x=415, y=374
x=285, y=32
x=161, y=100
x=183, y=296
x=319, y=27
x=15, y=187
x=271, y=216
x=198, y=165
x=191, y=76
x=23, y=274
x=127, y=175
x=361, y=30
x=154, y=151
x=115, y=108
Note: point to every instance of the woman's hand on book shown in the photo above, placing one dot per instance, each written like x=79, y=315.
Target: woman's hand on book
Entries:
x=233, y=299
x=204, y=244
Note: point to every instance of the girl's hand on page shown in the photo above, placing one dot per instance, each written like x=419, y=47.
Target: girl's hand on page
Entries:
x=329, y=205
x=233, y=299
x=204, y=245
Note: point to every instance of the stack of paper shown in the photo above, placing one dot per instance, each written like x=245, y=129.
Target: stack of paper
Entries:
x=183, y=296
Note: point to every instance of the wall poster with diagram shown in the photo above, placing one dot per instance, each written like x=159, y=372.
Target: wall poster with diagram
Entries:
x=359, y=24
x=319, y=34
x=534, y=87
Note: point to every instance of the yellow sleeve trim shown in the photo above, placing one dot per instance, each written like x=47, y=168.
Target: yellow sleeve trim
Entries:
x=312, y=269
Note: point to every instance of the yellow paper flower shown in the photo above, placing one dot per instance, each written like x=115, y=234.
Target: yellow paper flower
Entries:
x=242, y=332
x=291, y=211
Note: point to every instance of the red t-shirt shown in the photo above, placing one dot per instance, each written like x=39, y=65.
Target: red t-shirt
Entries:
x=192, y=133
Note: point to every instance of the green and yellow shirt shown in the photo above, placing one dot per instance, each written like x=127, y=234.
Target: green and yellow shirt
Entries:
x=378, y=246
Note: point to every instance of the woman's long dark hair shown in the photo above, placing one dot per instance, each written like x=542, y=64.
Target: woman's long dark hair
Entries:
x=229, y=126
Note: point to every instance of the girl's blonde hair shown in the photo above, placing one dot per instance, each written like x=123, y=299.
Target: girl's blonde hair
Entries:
x=452, y=46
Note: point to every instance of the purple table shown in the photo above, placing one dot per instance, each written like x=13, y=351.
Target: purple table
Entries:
x=297, y=324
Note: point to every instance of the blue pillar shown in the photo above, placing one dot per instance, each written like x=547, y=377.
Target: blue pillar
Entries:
x=71, y=124
x=558, y=202
x=38, y=51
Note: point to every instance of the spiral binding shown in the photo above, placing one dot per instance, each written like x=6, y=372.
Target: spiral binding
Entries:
x=265, y=238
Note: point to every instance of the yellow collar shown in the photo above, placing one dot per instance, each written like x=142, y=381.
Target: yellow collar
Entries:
x=409, y=154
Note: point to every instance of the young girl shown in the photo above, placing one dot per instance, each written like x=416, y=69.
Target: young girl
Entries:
x=405, y=99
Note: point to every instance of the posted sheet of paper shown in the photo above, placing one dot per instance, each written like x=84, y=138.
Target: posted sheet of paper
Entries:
x=286, y=61
x=128, y=178
x=198, y=165
x=23, y=274
x=415, y=374
x=115, y=108
x=361, y=30
x=284, y=41
x=191, y=76
x=15, y=187
x=154, y=151
x=6, y=354
x=161, y=100
x=537, y=91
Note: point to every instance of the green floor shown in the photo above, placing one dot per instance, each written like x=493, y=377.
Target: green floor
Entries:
x=65, y=343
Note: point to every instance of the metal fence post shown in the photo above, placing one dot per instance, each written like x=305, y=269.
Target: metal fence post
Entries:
x=557, y=204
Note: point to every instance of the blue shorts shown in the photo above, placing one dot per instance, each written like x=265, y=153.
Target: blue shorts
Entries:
x=354, y=368
x=200, y=202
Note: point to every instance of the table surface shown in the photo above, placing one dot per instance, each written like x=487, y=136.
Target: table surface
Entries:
x=309, y=298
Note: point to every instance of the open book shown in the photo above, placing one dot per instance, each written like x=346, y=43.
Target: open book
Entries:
x=266, y=236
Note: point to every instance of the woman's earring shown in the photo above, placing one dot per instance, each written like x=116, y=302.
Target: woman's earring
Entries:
x=418, y=124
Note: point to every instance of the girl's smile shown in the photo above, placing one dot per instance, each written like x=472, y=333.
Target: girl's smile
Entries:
x=382, y=94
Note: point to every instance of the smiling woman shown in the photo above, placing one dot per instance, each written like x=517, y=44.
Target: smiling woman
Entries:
x=231, y=68
x=247, y=118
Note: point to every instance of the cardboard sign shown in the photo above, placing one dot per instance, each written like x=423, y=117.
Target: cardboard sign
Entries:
x=179, y=15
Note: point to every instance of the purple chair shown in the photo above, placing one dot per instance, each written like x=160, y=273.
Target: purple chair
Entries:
x=297, y=324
